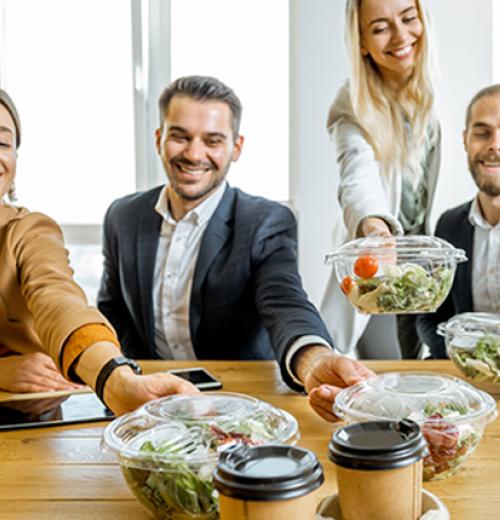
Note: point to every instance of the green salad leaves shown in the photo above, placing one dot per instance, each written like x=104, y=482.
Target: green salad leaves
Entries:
x=481, y=363
x=173, y=477
x=402, y=289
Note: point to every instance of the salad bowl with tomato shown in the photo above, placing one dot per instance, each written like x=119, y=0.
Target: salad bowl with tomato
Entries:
x=396, y=275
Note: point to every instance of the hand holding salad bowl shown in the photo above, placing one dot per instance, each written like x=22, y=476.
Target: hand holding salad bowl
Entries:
x=396, y=275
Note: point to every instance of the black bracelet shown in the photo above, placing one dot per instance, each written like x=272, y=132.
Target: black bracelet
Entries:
x=107, y=370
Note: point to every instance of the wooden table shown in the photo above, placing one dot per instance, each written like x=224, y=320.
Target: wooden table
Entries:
x=59, y=473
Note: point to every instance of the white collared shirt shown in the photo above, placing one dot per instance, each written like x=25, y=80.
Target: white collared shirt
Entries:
x=175, y=262
x=485, y=266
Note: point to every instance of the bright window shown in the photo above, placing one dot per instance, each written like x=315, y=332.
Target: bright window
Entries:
x=495, y=31
x=244, y=44
x=68, y=67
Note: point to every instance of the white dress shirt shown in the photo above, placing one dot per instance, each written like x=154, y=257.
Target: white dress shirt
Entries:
x=485, y=267
x=175, y=262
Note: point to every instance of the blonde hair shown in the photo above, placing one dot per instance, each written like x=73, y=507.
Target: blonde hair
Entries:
x=383, y=114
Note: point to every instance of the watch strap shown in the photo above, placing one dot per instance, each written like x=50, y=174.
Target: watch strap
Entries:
x=107, y=370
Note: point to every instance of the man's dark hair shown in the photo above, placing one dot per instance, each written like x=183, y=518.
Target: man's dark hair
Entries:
x=492, y=90
x=202, y=88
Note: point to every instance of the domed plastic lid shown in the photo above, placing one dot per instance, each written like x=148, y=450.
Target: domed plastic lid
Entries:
x=414, y=395
x=408, y=248
x=196, y=428
x=471, y=326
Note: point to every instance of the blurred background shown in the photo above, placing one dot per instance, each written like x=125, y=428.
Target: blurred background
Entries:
x=86, y=76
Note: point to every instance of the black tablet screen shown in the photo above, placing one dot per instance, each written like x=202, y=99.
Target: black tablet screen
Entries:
x=33, y=413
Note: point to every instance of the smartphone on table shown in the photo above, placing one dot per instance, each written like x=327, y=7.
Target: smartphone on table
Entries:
x=198, y=376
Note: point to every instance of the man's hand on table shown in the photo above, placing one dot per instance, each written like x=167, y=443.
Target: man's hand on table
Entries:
x=125, y=390
x=35, y=372
x=324, y=373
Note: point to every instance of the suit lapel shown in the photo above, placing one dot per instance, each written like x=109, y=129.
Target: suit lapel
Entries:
x=215, y=236
x=467, y=271
x=465, y=234
x=147, y=245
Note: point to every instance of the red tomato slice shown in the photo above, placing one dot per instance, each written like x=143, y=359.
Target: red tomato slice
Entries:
x=346, y=285
x=366, y=266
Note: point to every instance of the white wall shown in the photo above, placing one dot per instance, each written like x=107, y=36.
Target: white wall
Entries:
x=464, y=38
x=318, y=68
x=464, y=43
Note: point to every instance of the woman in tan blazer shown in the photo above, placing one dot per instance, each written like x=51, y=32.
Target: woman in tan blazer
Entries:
x=50, y=338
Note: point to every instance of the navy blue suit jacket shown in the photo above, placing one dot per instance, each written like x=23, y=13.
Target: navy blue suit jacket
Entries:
x=247, y=300
x=453, y=226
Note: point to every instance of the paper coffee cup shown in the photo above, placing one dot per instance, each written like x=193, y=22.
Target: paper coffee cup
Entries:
x=271, y=482
x=379, y=470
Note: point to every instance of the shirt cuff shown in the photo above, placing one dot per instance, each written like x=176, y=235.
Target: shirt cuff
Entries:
x=80, y=340
x=303, y=341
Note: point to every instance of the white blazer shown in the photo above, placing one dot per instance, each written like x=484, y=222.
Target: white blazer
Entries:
x=364, y=192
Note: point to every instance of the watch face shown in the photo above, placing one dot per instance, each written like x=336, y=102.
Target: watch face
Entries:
x=120, y=361
x=107, y=370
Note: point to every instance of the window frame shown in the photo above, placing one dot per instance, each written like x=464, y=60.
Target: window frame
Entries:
x=150, y=22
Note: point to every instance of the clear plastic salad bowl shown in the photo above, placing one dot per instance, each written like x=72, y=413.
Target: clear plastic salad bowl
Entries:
x=168, y=448
x=451, y=413
x=396, y=275
x=473, y=342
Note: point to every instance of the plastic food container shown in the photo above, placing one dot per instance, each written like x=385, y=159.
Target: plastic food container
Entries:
x=396, y=275
x=168, y=448
x=473, y=342
x=451, y=413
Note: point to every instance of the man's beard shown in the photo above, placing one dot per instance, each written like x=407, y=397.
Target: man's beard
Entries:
x=487, y=184
x=216, y=180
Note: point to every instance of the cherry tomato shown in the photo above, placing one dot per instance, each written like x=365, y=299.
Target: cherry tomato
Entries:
x=366, y=266
x=346, y=285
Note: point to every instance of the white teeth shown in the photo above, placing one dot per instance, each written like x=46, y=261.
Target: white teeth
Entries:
x=402, y=52
x=191, y=171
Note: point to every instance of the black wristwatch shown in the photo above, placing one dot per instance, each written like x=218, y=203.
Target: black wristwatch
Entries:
x=107, y=370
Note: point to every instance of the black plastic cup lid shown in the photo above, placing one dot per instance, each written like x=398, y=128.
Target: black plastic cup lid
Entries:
x=267, y=473
x=377, y=445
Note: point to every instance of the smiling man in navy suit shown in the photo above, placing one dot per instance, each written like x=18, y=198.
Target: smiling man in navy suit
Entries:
x=475, y=225
x=197, y=269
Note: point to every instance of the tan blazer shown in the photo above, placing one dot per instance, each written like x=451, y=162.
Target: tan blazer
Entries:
x=40, y=303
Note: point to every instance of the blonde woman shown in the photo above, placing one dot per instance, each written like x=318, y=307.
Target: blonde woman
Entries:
x=388, y=149
x=50, y=339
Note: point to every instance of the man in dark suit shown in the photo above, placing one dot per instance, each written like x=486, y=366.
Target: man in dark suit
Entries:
x=473, y=226
x=197, y=269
